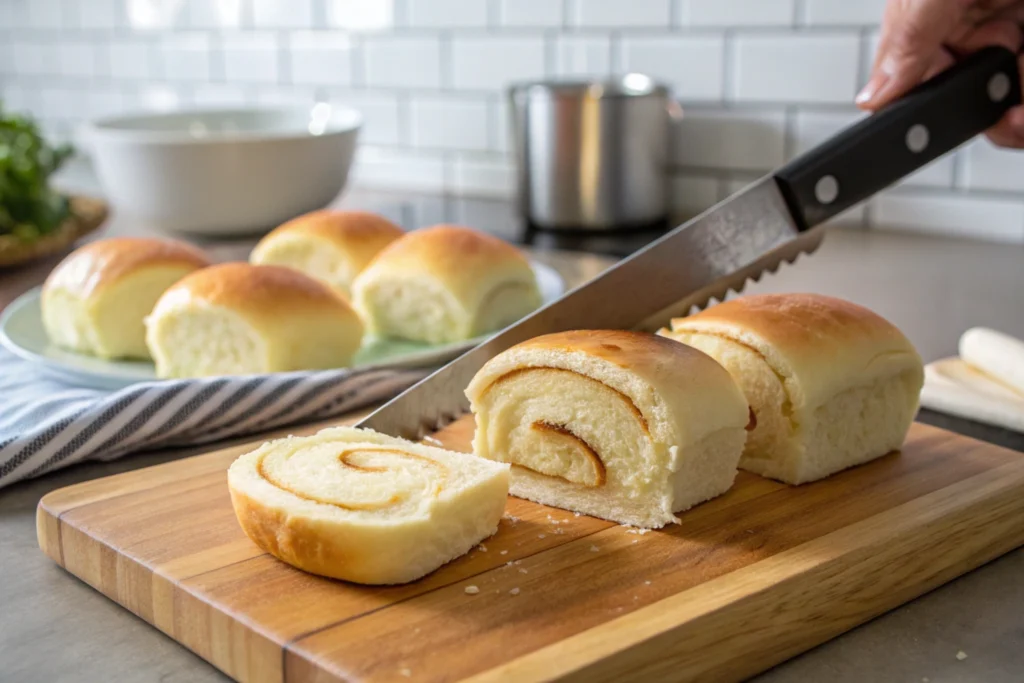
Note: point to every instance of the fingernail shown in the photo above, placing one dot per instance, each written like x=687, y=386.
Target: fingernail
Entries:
x=865, y=95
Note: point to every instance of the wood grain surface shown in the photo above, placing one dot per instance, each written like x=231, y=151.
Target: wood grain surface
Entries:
x=747, y=580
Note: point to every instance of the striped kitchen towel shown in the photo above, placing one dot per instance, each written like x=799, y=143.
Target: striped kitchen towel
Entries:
x=46, y=425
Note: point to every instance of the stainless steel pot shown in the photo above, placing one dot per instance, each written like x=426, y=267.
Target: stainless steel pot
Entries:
x=593, y=155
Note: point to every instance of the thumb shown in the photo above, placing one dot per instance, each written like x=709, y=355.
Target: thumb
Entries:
x=911, y=46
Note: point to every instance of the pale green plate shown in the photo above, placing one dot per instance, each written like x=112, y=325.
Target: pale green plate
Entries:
x=22, y=332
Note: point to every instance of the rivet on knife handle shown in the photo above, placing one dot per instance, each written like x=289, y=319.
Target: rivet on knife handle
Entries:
x=929, y=121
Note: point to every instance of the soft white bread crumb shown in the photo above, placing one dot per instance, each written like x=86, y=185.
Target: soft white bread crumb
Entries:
x=331, y=246
x=96, y=299
x=831, y=384
x=236, y=319
x=620, y=425
x=444, y=284
x=357, y=505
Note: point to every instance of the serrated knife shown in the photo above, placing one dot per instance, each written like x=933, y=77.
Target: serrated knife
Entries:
x=771, y=221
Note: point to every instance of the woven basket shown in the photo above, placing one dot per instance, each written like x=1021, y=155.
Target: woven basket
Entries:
x=87, y=214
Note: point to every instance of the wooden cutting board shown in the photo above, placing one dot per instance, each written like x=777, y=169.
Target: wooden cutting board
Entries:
x=744, y=582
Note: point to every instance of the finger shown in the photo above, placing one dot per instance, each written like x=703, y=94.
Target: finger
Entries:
x=913, y=35
x=1002, y=32
x=1005, y=138
x=943, y=60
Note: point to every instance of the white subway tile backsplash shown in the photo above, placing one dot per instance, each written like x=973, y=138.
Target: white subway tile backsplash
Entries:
x=491, y=63
x=620, y=13
x=399, y=169
x=320, y=58
x=186, y=56
x=811, y=128
x=843, y=12
x=484, y=177
x=33, y=58
x=285, y=96
x=100, y=14
x=530, y=13
x=131, y=59
x=278, y=14
x=380, y=115
x=691, y=194
x=788, y=67
x=736, y=140
x=44, y=14
x=105, y=102
x=219, y=95
x=447, y=13
x=160, y=97
x=361, y=15
x=756, y=89
x=674, y=58
x=987, y=167
x=736, y=12
x=250, y=58
x=450, y=122
x=222, y=14
x=78, y=59
x=583, y=56
x=999, y=220
x=398, y=61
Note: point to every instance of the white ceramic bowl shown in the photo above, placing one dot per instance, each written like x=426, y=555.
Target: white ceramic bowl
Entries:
x=238, y=171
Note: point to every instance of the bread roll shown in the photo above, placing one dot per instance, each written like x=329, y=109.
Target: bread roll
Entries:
x=360, y=506
x=832, y=384
x=332, y=246
x=237, y=319
x=625, y=426
x=95, y=300
x=445, y=284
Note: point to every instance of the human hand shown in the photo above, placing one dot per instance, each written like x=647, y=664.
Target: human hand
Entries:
x=920, y=38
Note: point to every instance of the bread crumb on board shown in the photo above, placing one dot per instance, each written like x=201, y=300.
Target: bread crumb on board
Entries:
x=514, y=591
x=961, y=655
x=472, y=590
x=594, y=549
x=405, y=672
x=523, y=571
x=542, y=535
x=482, y=548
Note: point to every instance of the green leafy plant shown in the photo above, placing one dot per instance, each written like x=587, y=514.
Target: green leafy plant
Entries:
x=29, y=208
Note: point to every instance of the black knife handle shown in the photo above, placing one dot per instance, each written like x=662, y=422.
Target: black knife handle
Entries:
x=930, y=120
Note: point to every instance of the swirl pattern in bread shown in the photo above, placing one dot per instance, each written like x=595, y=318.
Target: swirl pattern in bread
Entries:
x=332, y=246
x=832, y=384
x=364, y=507
x=445, y=284
x=96, y=299
x=620, y=425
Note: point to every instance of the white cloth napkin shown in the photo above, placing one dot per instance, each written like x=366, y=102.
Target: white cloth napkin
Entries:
x=45, y=424
x=985, y=383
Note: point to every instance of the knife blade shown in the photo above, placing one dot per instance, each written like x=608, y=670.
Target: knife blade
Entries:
x=772, y=220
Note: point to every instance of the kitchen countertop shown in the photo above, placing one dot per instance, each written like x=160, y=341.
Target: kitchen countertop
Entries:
x=55, y=628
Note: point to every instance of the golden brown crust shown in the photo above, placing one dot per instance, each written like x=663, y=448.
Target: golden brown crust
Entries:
x=797, y=321
x=104, y=262
x=624, y=348
x=267, y=290
x=449, y=250
x=358, y=235
x=289, y=538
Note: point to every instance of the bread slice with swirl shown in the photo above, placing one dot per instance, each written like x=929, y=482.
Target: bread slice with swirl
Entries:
x=357, y=505
x=625, y=426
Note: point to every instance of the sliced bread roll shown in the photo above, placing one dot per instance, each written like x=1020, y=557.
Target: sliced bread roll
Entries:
x=624, y=426
x=239, y=319
x=445, y=284
x=832, y=384
x=332, y=246
x=95, y=300
x=364, y=507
